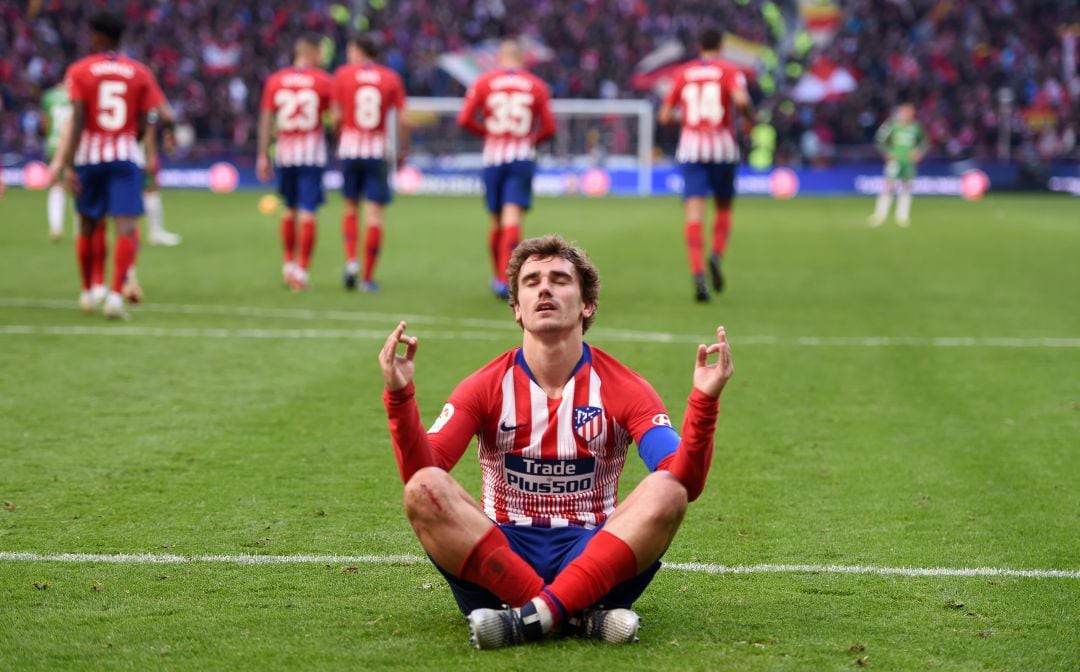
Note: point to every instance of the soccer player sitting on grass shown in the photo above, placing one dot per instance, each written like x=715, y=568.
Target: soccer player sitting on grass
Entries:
x=549, y=547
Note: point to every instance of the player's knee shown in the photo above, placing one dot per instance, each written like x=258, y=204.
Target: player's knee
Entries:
x=669, y=498
x=427, y=494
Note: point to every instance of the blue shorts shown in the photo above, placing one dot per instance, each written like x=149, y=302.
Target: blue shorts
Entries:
x=548, y=550
x=301, y=186
x=367, y=177
x=508, y=183
x=113, y=188
x=701, y=178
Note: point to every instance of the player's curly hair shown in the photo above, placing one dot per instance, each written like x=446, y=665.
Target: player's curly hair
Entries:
x=554, y=245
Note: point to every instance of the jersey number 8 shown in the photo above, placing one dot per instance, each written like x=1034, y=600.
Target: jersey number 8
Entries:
x=298, y=109
x=367, y=106
x=702, y=103
x=510, y=112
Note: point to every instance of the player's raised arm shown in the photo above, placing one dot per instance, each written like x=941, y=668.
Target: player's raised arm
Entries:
x=690, y=463
x=397, y=369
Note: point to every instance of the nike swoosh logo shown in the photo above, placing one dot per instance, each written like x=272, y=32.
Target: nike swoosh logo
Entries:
x=504, y=428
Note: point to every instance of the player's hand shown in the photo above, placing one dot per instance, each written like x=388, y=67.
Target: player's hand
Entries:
x=262, y=168
x=711, y=378
x=71, y=181
x=398, y=370
x=168, y=141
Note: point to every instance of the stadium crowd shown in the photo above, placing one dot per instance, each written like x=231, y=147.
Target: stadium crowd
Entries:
x=954, y=58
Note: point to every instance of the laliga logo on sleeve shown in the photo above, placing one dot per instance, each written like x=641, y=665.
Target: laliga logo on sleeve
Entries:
x=444, y=417
x=661, y=420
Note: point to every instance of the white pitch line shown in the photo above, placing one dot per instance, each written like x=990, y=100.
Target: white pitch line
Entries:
x=500, y=328
x=702, y=568
x=643, y=337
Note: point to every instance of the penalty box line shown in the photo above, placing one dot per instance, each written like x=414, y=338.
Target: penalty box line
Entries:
x=694, y=567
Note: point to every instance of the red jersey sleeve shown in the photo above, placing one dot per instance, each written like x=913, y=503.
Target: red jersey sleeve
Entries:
x=397, y=98
x=75, y=84
x=544, y=113
x=672, y=99
x=154, y=97
x=268, y=94
x=474, y=98
x=460, y=420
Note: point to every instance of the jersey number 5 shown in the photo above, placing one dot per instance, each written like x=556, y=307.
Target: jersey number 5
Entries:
x=112, y=108
x=702, y=103
x=297, y=109
x=509, y=112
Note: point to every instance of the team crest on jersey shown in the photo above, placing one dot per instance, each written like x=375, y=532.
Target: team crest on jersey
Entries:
x=588, y=421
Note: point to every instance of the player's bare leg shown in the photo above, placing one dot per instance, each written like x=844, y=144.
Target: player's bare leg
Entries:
x=884, y=200
x=694, y=210
x=444, y=516
x=124, y=258
x=373, y=218
x=721, y=233
x=463, y=541
x=350, y=235
x=903, y=203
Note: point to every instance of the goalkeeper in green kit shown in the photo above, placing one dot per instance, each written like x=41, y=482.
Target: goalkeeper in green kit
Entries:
x=903, y=143
x=55, y=114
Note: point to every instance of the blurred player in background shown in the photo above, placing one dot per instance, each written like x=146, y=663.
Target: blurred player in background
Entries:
x=111, y=96
x=514, y=110
x=709, y=93
x=155, y=213
x=56, y=113
x=554, y=419
x=155, y=224
x=293, y=103
x=902, y=143
x=364, y=94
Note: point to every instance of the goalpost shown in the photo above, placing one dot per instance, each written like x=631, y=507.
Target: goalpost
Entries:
x=615, y=135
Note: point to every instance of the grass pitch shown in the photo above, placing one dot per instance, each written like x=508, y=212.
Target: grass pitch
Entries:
x=876, y=418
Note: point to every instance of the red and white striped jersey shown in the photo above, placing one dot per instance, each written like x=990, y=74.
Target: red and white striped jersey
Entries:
x=366, y=93
x=515, y=108
x=116, y=92
x=549, y=462
x=298, y=98
x=703, y=88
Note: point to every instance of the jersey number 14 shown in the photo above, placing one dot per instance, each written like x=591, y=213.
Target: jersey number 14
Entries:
x=702, y=103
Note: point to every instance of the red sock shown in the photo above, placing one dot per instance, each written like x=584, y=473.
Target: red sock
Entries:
x=509, y=239
x=307, y=242
x=350, y=232
x=695, y=247
x=288, y=237
x=721, y=229
x=371, y=249
x=125, y=256
x=99, y=251
x=491, y=563
x=85, y=256
x=494, y=237
x=606, y=562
